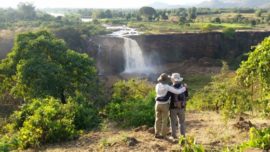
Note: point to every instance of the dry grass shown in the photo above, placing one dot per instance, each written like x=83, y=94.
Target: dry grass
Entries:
x=208, y=128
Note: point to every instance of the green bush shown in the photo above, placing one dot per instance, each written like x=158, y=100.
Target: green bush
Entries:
x=229, y=32
x=223, y=94
x=258, y=139
x=131, y=90
x=8, y=143
x=86, y=116
x=188, y=144
x=132, y=103
x=133, y=113
x=4, y=147
x=207, y=27
x=48, y=121
x=43, y=121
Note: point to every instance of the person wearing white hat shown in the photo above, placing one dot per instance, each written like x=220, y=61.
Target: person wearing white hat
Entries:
x=177, y=107
x=162, y=106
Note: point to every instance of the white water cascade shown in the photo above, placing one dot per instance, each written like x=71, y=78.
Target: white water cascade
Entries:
x=134, y=58
x=135, y=61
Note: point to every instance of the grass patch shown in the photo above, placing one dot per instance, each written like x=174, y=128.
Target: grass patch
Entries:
x=107, y=142
x=170, y=27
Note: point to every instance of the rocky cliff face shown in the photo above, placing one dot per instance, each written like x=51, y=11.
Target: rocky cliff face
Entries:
x=175, y=48
x=108, y=53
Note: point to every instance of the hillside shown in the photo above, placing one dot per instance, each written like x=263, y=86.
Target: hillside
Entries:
x=214, y=136
x=217, y=4
x=235, y=3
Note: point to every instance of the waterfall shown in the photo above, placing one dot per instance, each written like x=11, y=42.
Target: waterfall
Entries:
x=134, y=58
x=99, y=55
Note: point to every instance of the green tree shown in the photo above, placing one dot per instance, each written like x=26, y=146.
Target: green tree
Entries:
x=216, y=20
x=163, y=16
x=238, y=18
x=256, y=67
x=182, y=20
x=253, y=22
x=27, y=11
x=97, y=14
x=259, y=12
x=108, y=13
x=267, y=18
x=147, y=12
x=192, y=13
x=41, y=65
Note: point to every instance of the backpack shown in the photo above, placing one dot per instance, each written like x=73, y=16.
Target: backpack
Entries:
x=180, y=100
x=179, y=103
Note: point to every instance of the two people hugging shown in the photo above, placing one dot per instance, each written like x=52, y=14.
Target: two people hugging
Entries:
x=170, y=102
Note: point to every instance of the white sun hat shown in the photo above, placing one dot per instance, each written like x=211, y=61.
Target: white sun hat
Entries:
x=176, y=77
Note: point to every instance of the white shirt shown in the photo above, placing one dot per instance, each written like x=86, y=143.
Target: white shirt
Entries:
x=162, y=89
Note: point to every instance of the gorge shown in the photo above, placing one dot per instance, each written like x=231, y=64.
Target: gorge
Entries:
x=204, y=49
x=156, y=53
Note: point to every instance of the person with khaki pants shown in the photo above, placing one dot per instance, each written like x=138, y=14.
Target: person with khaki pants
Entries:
x=162, y=104
x=162, y=111
x=177, y=107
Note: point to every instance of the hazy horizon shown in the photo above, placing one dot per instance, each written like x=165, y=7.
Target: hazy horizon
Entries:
x=94, y=3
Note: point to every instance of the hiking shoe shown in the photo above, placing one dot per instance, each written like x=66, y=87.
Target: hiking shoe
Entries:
x=173, y=139
x=159, y=137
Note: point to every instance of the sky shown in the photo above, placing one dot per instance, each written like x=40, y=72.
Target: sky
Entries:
x=94, y=3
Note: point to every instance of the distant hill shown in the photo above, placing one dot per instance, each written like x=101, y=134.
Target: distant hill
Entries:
x=235, y=3
x=218, y=4
x=160, y=5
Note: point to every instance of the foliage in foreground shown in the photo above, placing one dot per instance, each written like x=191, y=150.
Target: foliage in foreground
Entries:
x=188, y=144
x=132, y=104
x=259, y=139
x=47, y=121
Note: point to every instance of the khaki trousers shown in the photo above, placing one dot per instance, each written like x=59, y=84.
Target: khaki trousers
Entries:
x=162, y=113
x=177, y=118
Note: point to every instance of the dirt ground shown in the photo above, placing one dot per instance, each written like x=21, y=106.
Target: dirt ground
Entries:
x=208, y=128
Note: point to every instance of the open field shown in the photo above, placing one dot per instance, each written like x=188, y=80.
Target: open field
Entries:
x=170, y=27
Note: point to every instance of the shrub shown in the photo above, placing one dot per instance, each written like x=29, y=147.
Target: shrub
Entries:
x=48, y=120
x=131, y=90
x=256, y=67
x=258, y=139
x=245, y=90
x=133, y=113
x=43, y=121
x=8, y=143
x=86, y=116
x=132, y=103
x=223, y=94
x=188, y=144
x=229, y=33
x=207, y=27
